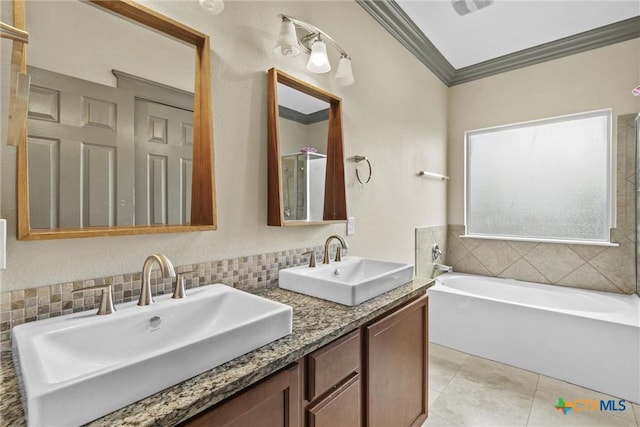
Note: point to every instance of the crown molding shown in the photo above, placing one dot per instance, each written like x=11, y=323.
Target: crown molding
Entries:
x=397, y=22
x=302, y=118
x=389, y=14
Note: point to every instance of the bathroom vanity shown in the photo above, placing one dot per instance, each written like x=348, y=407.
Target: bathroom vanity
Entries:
x=341, y=365
x=384, y=361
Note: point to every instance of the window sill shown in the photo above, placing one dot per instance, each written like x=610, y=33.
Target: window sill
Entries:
x=526, y=239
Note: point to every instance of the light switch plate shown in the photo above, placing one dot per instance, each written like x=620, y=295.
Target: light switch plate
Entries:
x=351, y=226
x=3, y=244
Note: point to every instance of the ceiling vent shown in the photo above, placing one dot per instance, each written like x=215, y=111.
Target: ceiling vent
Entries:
x=462, y=7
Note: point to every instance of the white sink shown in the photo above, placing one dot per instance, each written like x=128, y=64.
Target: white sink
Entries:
x=75, y=368
x=349, y=282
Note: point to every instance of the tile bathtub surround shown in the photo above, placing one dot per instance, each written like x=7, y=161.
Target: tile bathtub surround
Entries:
x=426, y=237
x=315, y=323
x=609, y=269
x=246, y=273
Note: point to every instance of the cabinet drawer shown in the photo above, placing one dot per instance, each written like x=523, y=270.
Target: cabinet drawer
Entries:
x=331, y=364
x=340, y=408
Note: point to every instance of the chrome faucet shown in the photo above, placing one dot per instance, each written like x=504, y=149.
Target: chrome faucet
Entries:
x=343, y=245
x=442, y=267
x=167, y=271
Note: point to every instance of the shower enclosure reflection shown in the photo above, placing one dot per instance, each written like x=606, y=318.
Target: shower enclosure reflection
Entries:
x=303, y=176
x=637, y=146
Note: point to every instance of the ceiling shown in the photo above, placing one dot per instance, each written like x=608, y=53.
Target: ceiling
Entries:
x=505, y=35
x=508, y=26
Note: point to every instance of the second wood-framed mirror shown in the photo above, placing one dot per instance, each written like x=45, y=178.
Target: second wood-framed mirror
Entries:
x=306, y=184
x=70, y=182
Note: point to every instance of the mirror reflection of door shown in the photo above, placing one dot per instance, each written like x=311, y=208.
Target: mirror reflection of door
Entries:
x=163, y=153
x=79, y=162
x=82, y=155
x=304, y=126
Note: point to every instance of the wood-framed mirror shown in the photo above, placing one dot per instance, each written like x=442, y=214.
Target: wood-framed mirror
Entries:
x=71, y=183
x=306, y=184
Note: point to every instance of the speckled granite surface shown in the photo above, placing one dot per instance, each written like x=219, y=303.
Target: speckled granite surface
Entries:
x=315, y=323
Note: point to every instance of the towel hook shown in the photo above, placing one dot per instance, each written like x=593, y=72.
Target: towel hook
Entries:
x=358, y=160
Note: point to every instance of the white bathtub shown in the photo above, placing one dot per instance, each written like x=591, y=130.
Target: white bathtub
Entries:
x=587, y=338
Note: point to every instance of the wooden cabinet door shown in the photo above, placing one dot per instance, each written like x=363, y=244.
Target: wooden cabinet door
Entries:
x=274, y=402
x=341, y=408
x=396, y=368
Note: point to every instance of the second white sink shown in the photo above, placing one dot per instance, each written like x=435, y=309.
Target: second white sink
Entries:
x=78, y=367
x=350, y=281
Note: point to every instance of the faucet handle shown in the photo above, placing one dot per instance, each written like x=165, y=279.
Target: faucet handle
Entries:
x=338, y=254
x=106, y=300
x=178, y=291
x=312, y=257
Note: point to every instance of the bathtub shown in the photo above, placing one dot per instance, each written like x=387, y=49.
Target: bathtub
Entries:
x=587, y=338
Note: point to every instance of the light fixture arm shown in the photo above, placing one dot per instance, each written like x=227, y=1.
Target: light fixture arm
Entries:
x=314, y=33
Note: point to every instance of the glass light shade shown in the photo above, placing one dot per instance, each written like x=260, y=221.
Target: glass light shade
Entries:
x=212, y=7
x=318, y=61
x=344, y=74
x=287, y=44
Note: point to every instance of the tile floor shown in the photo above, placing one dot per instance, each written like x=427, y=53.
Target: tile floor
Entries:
x=465, y=390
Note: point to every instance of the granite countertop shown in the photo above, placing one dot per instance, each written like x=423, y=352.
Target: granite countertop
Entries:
x=315, y=323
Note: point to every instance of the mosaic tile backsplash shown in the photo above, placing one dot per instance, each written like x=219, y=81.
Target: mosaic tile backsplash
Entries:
x=246, y=273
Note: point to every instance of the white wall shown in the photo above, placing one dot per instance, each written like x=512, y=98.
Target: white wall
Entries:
x=395, y=114
x=88, y=43
x=596, y=79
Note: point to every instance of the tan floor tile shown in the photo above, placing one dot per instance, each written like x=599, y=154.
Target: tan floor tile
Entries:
x=443, y=365
x=472, y=404
x=436, y=421
x=433, y=395
x=499, y=376
x=486, y=393
x=544, y=413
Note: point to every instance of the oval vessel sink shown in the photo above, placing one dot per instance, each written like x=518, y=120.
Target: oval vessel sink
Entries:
x=349, y=282
x=75, y=368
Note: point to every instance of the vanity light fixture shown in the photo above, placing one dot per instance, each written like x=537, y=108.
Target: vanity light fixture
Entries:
x=318, y=60
x=296, y=36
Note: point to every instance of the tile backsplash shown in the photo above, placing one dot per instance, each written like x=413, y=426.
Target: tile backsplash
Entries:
x=246, y=273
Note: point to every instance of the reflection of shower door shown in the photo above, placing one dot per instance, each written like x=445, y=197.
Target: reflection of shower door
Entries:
x=80, y=165
x=303, y=178
x=637, y=184
x=163, y=153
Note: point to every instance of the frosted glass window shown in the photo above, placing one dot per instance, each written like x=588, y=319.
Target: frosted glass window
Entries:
x=545, y=180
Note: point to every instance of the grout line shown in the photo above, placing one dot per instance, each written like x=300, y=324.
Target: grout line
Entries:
x=533, y=400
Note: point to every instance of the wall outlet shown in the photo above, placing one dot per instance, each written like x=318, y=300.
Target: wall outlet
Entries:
x=351, y=226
